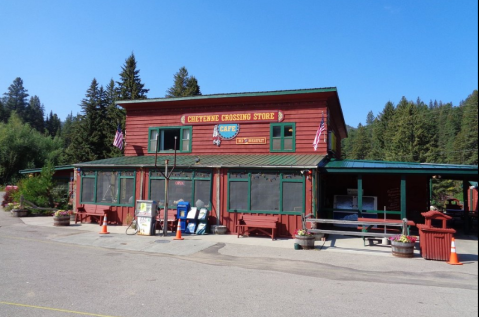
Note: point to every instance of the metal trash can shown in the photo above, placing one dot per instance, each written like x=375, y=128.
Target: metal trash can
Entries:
x=435, y=243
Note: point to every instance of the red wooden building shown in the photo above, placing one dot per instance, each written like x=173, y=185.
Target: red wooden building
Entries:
x=271, y=153
x=236, y=153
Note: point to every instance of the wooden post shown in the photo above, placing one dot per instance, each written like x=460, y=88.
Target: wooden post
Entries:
x=403, y=196
x=360, y=195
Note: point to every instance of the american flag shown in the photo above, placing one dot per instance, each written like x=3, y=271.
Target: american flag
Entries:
x=118, y=142
x=321, y=128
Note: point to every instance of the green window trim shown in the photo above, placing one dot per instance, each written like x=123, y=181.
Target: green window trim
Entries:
x=178, y=175
x=183, y=142
x=284, y=177
x=287, y=133
x=122, y=174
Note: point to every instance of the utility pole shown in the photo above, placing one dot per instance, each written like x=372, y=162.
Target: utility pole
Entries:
x=166, y=175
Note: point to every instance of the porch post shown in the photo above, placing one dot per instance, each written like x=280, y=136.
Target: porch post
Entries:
x=403, y=196
x=465, y=188
x=360, y=194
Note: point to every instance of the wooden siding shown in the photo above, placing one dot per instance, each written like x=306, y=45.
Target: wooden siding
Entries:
x=288, y=224
x=307, y=117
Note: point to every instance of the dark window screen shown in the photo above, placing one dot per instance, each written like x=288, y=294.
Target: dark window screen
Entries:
x=127, y=194
x=238, y=195
x=202, y=194
x=292, y=197
x=179, y=190
x=88, y=186
x=157, y=191
x=106, y=187
x=265, y=192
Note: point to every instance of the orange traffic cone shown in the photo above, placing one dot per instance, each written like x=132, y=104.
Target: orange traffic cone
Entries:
x=453, y=258
x=178, y=231
x=103, y=228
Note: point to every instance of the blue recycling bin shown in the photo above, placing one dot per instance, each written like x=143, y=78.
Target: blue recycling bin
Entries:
x=182, y=212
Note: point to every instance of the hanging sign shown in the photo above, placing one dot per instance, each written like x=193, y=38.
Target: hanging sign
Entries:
x=228, y=131
x=232, y=117
x=252, y=140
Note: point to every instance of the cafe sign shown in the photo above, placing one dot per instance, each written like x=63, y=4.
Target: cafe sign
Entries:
x=232, y=117
x=228, y=131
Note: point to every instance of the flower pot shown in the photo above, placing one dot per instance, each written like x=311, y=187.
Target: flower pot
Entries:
x=19, y=212
x=61, y=220
x=218, y=229
x=403, y=249
x=305, y=242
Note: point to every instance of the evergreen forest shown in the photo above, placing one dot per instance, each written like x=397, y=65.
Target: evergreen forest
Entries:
x=31, y=138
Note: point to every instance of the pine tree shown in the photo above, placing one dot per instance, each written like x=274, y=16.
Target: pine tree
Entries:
x=34, y=114
x=3, y=112
x=53, y=125
x=130, y=86
x=114, y=116
x=16, y=98
x=381, y=132
x=465, y=145
x=362, y=144
x=87, y=138
x=184, y=85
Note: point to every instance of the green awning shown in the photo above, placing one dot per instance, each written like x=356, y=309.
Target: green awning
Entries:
x=212, y=161
x=383, y=167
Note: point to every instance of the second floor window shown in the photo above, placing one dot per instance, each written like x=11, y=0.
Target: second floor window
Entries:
x=164, y=139
x=283, y=137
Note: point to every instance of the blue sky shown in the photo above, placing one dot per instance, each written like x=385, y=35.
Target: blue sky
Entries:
x=372, y=51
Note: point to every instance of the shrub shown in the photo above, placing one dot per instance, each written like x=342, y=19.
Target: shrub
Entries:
x=8, y=197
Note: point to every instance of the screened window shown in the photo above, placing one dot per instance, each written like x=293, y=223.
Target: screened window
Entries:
x=266, y=192
x=283, y=137
x=88, y=189
x=190, y=186
x=164, y=139
x=108, y=187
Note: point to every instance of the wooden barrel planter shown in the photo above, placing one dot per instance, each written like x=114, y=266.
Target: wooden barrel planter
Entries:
x=61, y=221
x=403, y=249
x=19, y=212
x=305, y=242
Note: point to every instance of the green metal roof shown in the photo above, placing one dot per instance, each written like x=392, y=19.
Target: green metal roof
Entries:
x=232, y=95
x=360, y=166
x=38, y=170
x=212, y=161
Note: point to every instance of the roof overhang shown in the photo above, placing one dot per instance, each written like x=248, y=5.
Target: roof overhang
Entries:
x=269, y=161
x=447, y=171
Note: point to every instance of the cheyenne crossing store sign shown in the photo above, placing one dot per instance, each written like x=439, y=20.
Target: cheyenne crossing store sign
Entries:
x=232, y=117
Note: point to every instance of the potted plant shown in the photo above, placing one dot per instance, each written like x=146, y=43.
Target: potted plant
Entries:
x=61, y=218
x=16, y=210
x=403, y=245
x=304, y=239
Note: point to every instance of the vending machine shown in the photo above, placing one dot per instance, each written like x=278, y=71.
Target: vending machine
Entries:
x=145, y=212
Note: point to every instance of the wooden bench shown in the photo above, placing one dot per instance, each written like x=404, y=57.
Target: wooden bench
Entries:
x=172, y=220
x=248, y=223
x=365, y=223
x=94, y=211
x=384, y=222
